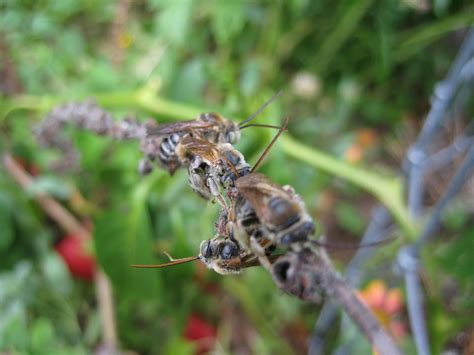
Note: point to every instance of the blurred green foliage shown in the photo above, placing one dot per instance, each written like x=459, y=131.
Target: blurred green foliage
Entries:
x=344, y=66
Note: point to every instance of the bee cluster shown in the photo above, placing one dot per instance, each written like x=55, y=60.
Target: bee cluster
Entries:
x=260, y=222
x=257, y=218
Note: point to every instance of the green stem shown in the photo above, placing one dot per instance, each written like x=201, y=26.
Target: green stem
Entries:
x=145, y=99
x=386, y=189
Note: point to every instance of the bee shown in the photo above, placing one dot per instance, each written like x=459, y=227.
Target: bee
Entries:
x=211, y=167
x=161, y=142
x=221, y=254
x=261, y=208
x=277, y=211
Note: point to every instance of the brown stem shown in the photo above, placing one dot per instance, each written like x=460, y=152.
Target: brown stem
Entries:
x=105, y=300
x=71, y=225
x=307, y=273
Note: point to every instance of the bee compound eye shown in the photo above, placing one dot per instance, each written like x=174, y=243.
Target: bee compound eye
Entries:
x=228, y=251
x=206, y=250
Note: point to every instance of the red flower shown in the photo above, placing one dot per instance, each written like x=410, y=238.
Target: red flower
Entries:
x=80, y=263
x=200, y=332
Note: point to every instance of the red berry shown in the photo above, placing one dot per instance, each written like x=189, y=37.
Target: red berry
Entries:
x=81, y=264
x=202, y=333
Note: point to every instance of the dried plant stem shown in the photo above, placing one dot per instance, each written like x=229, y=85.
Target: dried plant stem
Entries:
x=105, y=300
x=306, y=273
x=71, y=225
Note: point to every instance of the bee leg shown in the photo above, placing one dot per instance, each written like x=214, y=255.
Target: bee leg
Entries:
x=259, y=251
x=216, y=193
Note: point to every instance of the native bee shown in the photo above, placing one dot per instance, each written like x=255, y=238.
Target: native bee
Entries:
x=161, y=142
x=265, y=209
x=211, y=166
x=281, y=213
x=221, y=254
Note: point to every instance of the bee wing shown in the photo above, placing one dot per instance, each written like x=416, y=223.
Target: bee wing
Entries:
x=257, y=190
x=200, y=147
x=184, y=126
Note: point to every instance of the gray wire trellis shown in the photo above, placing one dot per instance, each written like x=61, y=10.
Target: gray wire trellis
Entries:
x=418, y=163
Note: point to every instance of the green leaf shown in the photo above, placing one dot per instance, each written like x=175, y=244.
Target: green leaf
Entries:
x=123, y=236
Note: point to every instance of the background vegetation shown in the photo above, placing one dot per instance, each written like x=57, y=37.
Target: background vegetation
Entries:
x=357, y=78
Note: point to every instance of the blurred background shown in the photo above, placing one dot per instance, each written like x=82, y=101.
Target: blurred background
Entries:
x=357, y=78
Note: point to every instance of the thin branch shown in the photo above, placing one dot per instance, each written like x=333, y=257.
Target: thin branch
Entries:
x=103, y=289
x=376, y=230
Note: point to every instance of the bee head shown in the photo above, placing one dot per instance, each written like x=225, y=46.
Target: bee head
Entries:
x=228, y=250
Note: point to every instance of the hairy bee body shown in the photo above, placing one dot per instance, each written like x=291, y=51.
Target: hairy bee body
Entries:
x=213, y=167
x=209, y=127
x=272, y=210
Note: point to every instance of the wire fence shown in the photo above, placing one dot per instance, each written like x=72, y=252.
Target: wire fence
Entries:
x=449, y=98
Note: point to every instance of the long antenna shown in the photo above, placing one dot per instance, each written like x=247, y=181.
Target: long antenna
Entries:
x=267, y=149
x=174, y=262
x=259, y=125
x=268, y=102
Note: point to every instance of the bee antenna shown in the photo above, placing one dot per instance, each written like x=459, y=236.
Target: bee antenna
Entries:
x=268, y=102
x=171, y=263
x=267, y=149
x=259, y=125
